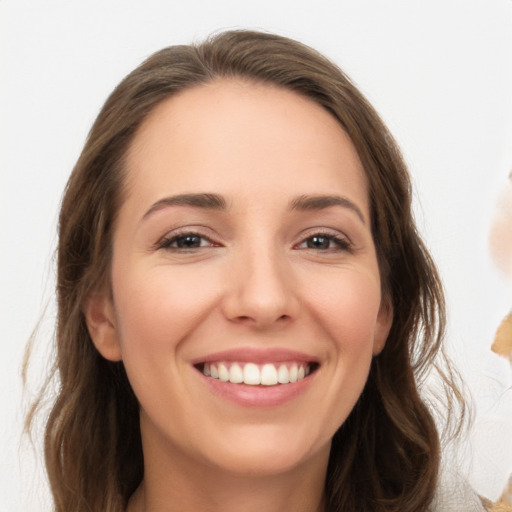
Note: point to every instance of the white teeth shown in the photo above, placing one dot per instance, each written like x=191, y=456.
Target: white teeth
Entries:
x=223, y=373
x=269, y=375
x=253, y=375
x=293, y=373
x=236, y=375
x=283, y=375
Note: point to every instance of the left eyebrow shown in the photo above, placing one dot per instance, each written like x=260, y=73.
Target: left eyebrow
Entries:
x=321, y=202
x=206, y=201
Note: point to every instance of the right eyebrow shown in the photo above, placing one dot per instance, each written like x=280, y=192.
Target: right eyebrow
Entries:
x=321, y=202
x=204, y=200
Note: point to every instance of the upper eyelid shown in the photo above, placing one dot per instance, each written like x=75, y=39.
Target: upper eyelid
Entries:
x=323, y=231
x=182, y=232
x=341, y=242
x=199, y=231
x=338, y=237
x=189, y=234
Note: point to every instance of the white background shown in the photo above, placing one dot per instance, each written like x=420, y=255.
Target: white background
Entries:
x=438, y=71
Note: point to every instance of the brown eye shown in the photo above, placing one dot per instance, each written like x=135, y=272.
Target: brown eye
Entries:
x=185, y=241
x=325, y=242
x=318, y=242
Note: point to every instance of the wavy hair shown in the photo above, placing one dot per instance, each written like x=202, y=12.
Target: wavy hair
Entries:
x=386, y=456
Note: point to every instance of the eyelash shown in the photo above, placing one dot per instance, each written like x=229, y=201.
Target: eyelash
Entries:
x=340, y=243
x=167, y=242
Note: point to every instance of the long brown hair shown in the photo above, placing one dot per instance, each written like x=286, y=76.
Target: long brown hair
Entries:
x=386, y=456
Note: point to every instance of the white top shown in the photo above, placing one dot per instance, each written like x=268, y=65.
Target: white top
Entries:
x=456, y=495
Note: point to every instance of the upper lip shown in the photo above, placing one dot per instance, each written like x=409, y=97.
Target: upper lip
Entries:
x=257, y=355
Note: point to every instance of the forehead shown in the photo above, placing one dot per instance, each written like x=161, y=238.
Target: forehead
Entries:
x=238, y=137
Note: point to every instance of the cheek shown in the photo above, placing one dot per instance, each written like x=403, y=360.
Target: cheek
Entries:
x=158, y=311
x=157, y=308
x=347, y=307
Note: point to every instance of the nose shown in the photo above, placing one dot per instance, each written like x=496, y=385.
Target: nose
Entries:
x=261, y=291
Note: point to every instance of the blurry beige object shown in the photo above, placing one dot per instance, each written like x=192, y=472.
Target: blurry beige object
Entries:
x=500, y=237
x=502, y=344
x=506, y=499
x=500, y=242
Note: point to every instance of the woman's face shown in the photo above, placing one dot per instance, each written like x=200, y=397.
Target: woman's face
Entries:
x=243, y=254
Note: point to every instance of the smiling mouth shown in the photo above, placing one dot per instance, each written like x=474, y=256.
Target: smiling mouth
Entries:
x=252, y=374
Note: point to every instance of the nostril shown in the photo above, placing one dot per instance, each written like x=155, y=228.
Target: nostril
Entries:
x=259, y=320
x=243, y=319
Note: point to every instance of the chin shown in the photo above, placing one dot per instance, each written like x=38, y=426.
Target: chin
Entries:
x=265, y=451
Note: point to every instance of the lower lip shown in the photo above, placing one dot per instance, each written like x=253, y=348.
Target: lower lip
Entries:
x=258, y=396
